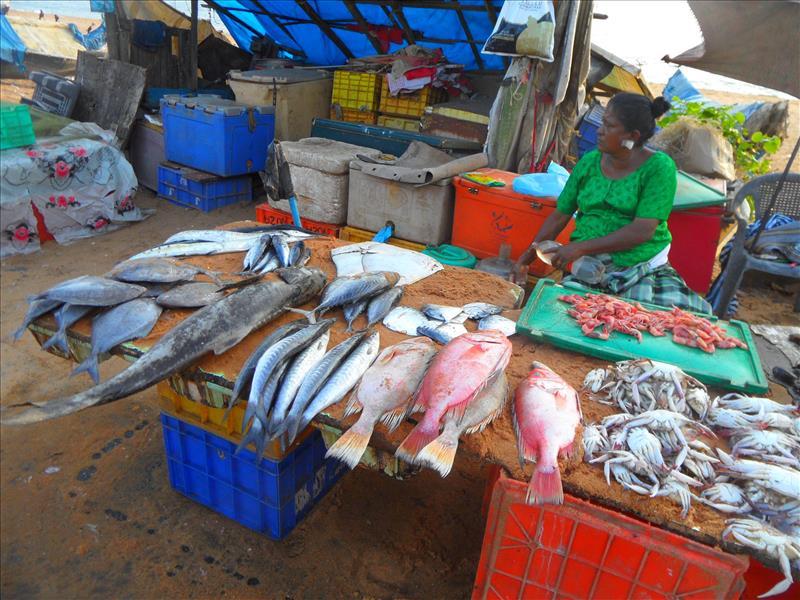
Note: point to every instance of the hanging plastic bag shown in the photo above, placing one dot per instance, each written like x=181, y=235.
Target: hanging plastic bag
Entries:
x=524, y=28
x=543, y=185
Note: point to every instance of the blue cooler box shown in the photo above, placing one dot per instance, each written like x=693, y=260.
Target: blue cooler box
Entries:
x=216, y=135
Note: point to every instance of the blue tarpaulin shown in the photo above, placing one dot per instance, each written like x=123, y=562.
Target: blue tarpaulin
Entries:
x=298, y=31
x=12, y=48
x=94, y=40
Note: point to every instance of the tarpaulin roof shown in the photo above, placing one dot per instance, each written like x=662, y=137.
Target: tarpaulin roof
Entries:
x=329, y=32
x=755, y=41
x=12, y=48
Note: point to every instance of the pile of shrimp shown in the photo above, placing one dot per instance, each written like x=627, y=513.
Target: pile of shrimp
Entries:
x=600, y=314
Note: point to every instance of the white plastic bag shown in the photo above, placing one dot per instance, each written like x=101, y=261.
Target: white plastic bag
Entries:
x=524, y=28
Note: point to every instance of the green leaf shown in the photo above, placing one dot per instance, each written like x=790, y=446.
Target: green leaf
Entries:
x=739, y=117
x=772, y=145
x=757, y=136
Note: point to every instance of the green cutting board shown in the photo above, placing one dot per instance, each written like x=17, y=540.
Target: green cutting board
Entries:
x=691, y=193
x=545, y=319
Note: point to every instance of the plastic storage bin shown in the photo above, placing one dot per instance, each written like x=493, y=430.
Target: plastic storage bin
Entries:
x=272, y=216
x=486, y=217
x=409, y=105
x=587, y=130
x=270, y=497
x=352, y=115
x=216, y=135
x=579, y=550
x=398, y=123
x=16, y=127
x=357, y=91
x=54, y=94
x=195, y=189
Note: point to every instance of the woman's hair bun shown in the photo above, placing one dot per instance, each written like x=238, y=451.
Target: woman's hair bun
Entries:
x=659, y=106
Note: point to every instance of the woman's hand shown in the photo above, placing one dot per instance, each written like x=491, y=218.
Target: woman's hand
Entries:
x=565, y=255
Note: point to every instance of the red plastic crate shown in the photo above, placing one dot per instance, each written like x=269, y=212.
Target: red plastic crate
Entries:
x=578, y=550
x=695, y=236
x=272, y=216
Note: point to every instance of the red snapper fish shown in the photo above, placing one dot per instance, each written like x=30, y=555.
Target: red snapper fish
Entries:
x=546, y=413
x=460, y=372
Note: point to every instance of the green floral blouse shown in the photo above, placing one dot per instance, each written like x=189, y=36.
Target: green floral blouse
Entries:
x=605, y=205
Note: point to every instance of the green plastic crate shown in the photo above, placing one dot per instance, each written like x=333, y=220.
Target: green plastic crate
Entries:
x=16, y=127
x=545, y=319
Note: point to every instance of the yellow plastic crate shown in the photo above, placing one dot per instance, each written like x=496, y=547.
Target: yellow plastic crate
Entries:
x=398, y=123
x=356, y=91
x=353, y=116
x=408, y=105
x=356, y=235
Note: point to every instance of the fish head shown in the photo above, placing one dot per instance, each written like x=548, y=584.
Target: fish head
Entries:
x=292, y=275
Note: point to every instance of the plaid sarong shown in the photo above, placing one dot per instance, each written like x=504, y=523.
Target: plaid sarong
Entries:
x=662, y=286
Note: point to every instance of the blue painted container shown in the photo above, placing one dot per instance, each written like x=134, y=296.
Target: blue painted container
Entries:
x=153, y=95
x=270, y=497
x=195, y=189
x=587, y=131
x=216, y=135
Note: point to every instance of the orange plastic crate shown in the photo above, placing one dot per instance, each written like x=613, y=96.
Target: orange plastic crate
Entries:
x=579, y=550
x=272, y=216
x=352, y=115
x=409, y=105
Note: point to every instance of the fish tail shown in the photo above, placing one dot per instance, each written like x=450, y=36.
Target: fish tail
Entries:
x=88, y=366
x=19, y=332
x=440, y=454
x=290, y=427
x=545, y=486
x=422, y=435
x=351, y=445
x=59, y=340
x=251, y=437
x=311, y=315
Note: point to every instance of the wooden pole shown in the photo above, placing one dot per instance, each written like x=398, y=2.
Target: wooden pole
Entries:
x=193, y=48
x=312, y=14
x=362, y=22
x=398, y=11
x=465, y=26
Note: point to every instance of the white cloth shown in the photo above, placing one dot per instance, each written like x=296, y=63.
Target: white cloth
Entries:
x=660, y=259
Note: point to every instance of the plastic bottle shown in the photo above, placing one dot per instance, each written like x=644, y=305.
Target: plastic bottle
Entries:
x=500, y=265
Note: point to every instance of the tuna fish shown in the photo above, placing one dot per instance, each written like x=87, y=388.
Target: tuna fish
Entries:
x=346, y=290
x=36, y=309
x=479, y=310
x=66, y=317
x=383, y=394
x=215, y=328
x=257, y=433
x=297, y=253
x=506, y=325
x=128, y=321
x=407, y=320
x=191, y=295
x=444, y=334
x=295, y=375
x=352, y=311
x=485, y=408
x=546, y=414
x=382, y=304
x=461, y=371
x=311, y=384
x=157, y=270
x=344, y=378
x=256, y=252
x=439, y=312
x=282, y=250
x=89, y=290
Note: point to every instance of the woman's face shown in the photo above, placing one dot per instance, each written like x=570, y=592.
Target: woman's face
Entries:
x=612, y=133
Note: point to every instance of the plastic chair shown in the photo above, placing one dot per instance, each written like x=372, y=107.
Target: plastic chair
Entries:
x=740, y=259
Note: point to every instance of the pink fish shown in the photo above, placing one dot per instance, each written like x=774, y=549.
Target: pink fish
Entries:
x=546, y=414
x=461, y=370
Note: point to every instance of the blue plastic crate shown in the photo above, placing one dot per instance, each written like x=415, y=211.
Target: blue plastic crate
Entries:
x=153, y=95
x=587, y=131
x=270, y=497
x=189, y=187
x=217, y=135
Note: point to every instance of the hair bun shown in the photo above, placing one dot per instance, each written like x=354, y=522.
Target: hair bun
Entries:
x=659, y=106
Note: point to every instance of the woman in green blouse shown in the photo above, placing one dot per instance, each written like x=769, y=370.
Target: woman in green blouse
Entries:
x=621, y=195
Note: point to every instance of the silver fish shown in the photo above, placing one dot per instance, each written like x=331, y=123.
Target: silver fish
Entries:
x=371, y=257
x=346, y=290
x=440, y=312
x=282, y=250
x=36, y=309
x=504, y=324
x=249, y=367
x=297, y=252
x=193, y=249
x=275, y=356
x=344, y=378
x=407, y=320
x=215, y=328
x=294, y=377
x=303, y=258
x=191, y=295
x=382, y=304
x=226, y=235
x=478, y=310
x=482, y=410
x=352, y=311
x=129, y=321
x=66, y=316
x=313, y=383
x=89, y=290
x=268, y=263
x=257, y=250
x=157, y=270
x=443, y=334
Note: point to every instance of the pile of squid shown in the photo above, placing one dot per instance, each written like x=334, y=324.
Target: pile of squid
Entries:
x=652, y=448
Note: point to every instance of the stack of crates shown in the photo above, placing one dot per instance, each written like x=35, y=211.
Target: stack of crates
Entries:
x=586, y=136
x=355, y=97
x=16, y=127
x=404, y=111
x=213, y=147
